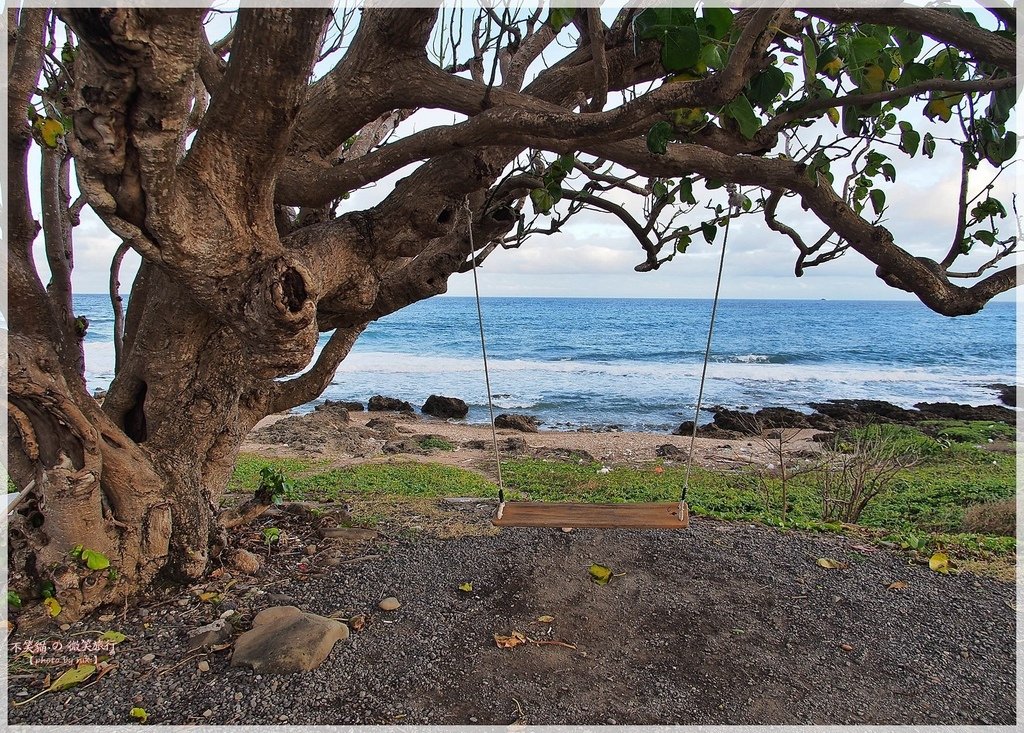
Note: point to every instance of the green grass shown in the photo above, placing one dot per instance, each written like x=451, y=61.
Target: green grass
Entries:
x=927, y=499
x=246, y=476
x=434, y=441
x=975, y=431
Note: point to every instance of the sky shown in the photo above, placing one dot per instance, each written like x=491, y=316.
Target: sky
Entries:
x=594, y=255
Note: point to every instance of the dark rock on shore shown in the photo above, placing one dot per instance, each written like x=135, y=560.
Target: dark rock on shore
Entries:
x=950, y=411
x=671, y=451
x=379, y=403
x=337, y=411
x=522, y=423
x=326, y=428
x=1007, y=393
x=838, y=414
x=444, y=407
x=712, y=430
x=851, y=412
x=350, y=406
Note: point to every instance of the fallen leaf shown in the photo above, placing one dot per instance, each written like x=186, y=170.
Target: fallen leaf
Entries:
x=867, y=549
x=507, y=642
x=830, y=564
x=659, y=469
x=72, y=677
x=357, y=622
x=52, y=606
x=846, y=647
x=139, y=713
x=898, y=585
x=939, y=562
x=545, y=619
x=208, y=596
x=600, y=574
x=115, y=636
x=466, y=587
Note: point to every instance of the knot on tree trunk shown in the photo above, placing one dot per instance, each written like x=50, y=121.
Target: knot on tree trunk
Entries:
x=280, y=317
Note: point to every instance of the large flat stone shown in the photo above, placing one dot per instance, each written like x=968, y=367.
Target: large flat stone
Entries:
x=284, y=639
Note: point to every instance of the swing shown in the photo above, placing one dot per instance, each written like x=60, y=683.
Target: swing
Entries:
x=637, y=515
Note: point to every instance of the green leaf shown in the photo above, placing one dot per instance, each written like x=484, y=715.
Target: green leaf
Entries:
x=1000, y=104
x=115, y=636
x=95, y=560
x=47, y=589
x=910, y=139
x=718, y=21
x=656, y=23
x=910, y=43
x=877, y=200
x=767, y=85
x=558, y=18
x=682, y=243
x=711, y=57
x=658, y=137
x=13, y=599
x=686, y=192
x=680, y=49
x=600, y=574
x=659, y=189
x=851, y=121
x=542, y=200
x=810, y=57
x=76, y=551
x=72, y=677
x=863, y=50
x=466, y=587
x=741, y=111
x=998, y=152
x=709, y=230
x=139, y=713
x=985, y=237
x=913, y=73
x=928, y=148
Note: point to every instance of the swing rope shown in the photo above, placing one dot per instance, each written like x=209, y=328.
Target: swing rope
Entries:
x=735, y=202
x=483, y=349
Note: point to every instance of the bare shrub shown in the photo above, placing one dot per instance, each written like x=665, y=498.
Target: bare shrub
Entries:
x=860, y=466
x=992, y=518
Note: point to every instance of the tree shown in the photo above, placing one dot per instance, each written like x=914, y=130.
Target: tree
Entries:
x=227, y=163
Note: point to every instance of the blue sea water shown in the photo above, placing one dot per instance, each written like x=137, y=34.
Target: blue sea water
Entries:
x=636, y=363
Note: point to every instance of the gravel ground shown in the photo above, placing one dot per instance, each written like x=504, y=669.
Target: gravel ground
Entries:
x=721, y=624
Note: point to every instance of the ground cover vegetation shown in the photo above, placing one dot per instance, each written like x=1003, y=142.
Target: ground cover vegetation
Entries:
x=938, y=494
x=223, y=148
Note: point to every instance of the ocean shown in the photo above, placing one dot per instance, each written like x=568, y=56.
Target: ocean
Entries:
x=635, y=364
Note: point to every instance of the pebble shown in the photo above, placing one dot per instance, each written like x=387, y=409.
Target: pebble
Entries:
x=147, y=658
x=846, y=647
x=207, y=713
x=65, y=627
x=310, y=549
x=204, y=666
x=389, y=604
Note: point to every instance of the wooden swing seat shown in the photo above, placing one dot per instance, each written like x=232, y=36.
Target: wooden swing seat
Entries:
x=660, y=515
